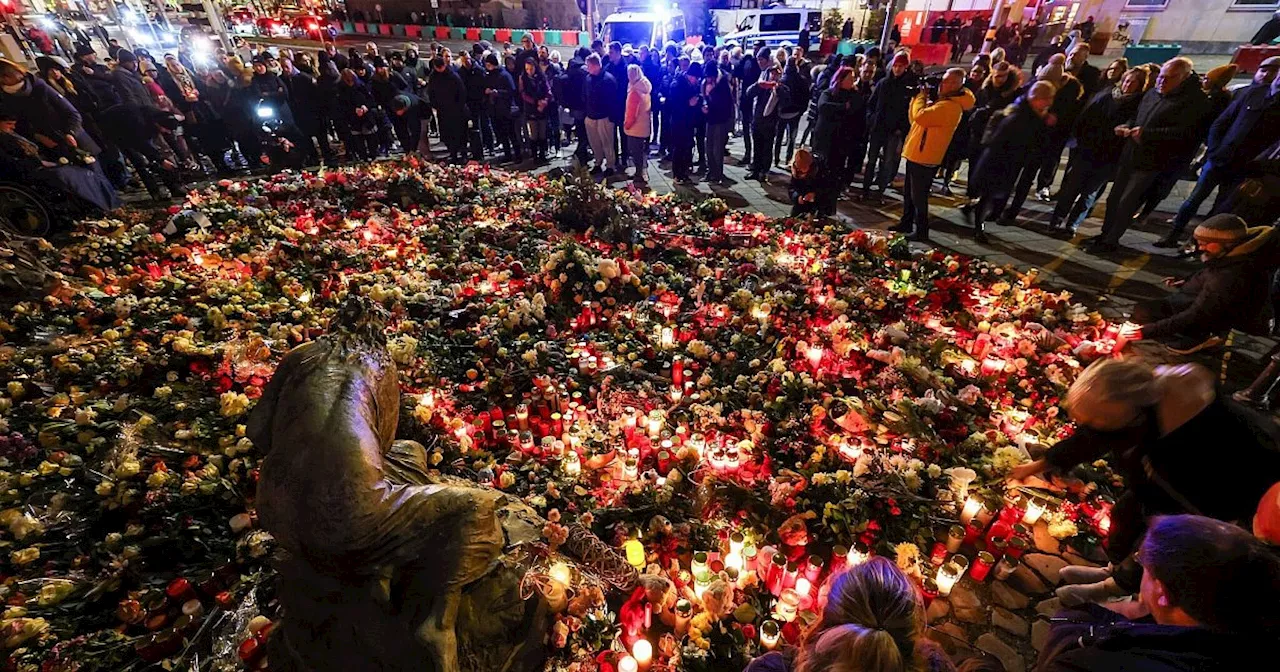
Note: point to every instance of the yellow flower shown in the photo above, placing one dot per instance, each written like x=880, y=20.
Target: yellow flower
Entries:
x=25, y=556
x=506, y=480
x=233, y=404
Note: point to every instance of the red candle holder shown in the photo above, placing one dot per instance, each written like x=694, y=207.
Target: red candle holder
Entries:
x=981, y=566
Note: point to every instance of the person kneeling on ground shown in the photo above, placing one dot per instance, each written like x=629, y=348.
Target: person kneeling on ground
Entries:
x=1208, y=592
x=1232, y=291
x=1153, y=427
x=810, y=188
x=873, y=622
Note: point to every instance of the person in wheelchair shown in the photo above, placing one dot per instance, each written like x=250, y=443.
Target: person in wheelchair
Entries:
x=282, y=141
x=1231, y=291
x=82, y=182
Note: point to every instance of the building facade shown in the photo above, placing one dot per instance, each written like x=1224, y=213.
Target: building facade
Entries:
x=1200, y=26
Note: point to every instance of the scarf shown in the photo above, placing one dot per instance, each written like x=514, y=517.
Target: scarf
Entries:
x=62, y=86
x=185, y=83
x=773, y=95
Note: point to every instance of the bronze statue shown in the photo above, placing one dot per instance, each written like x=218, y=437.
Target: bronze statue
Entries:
x=383, y=565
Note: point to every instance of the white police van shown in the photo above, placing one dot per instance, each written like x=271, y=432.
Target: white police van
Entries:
x=775, y=25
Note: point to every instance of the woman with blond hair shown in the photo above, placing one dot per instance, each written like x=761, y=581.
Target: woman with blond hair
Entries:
x=873, y=622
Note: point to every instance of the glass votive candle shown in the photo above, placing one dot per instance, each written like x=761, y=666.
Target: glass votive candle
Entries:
x=698, y=566
x=955, y=537
x=939, y=554
x=928, y=590
x=972, y=506
x=1016, y=546
x=770, y=631
x=858, y=554
x=982, y=566
x=1034, y=510
x=628, y=664
x=788, y=607
x=947, y=577
x=997, y=547
x=1006, y=567
x=961, y=561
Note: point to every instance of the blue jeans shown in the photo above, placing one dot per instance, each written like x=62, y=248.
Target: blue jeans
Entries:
x=1211, y=177
x=1082, y=185
x=888, y=150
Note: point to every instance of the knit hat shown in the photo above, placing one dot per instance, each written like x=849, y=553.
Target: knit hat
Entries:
x=1222, y=228
x=125, y=56
x=84, y=50
x=695, y=70
x=1266, y=522
x=1220, y=76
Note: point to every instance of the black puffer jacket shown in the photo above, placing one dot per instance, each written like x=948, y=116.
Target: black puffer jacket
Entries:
x=1172, y=125
x=842, y=120
x=1013, y=139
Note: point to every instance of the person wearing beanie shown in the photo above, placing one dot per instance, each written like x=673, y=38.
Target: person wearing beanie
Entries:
x=128, y=80
x=1231, y=291
x=1248, y=126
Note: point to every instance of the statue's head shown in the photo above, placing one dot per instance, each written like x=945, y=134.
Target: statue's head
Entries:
x=361, y=319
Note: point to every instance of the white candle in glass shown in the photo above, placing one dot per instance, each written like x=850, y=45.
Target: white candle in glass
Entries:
x=628, y=664
x=972, y=506
x=947, y=577
x=642, y=651
x=769, y=633
x=1034, y=511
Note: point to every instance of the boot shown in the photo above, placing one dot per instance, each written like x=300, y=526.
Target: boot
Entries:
x=1080, y=594
x=1077, y=574
x=1170, y=240
x=1262, y=391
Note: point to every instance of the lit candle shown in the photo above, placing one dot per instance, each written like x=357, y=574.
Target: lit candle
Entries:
x=972, y=506
x=642, y=651
x=815, y=355
x=769, y=633
x=948, y=575
x=955, y=537
x=929, y=589
x=805, y=590
x=992, y=366
x=628, y=664
x=858, y=554
x=668, y=338
x=698, y=566
x=522, y=417
x=572, y=464
x=982, y=565
x=1034, y=510
x=656, y=421
x=561, y=573
x=736, y=542
x=635, y=552
x=788, y=605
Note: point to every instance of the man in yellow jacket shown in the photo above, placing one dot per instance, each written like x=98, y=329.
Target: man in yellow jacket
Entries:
x=934, y=117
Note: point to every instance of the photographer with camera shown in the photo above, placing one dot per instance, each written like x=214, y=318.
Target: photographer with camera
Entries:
x=935, y=113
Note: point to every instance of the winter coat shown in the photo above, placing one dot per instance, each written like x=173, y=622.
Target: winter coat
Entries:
x=1067, y=103
x=42, y=110
x=304, y=99
x=959, y=147
x=932, y=657
x=473, y=80
x=448, y=97
x=350, y=100
x=502, y=102
x=758, y=98
x=599, y=93
x=799, y=87
x=99, y=82
x=652, y=72
x=1090, y=78
x=932, y=125
x=820, y=86
x=1232, y=291
x=1013, y=140
x=129, y=87
x=719, y=100
x=1095, y=129
x=890, y=104
x=990, y=98
x=535, y=90
x=1171, y=127
x=1249, y=125
x=842, y=119
x=384, y=90
x=747, y=73
x=683, y=115
x=1093, y=638
x=638, y=123
x=575, y=83
x=133, y=126
x=619, y=72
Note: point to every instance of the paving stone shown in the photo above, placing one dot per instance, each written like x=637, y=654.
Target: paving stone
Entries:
x=1004, y=595
x=1044, y=541
x=951, y=637
x=1006, y=654
x=938, y=610
x=1039, y=634
x=1049, y=607
x=971, y=615
x=1047, y=566
x=1009, y=621
x=1027, y=582
x=963, y=597
x=1076, y=559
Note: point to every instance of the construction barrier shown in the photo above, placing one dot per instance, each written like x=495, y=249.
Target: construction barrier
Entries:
x=553, y=38
x=360, y=29
x=384, y=29
x=413, y=31
x=1248, y=56
x=473, y=35
x=1140, y=54
x=502, y=35
x=398, y=30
